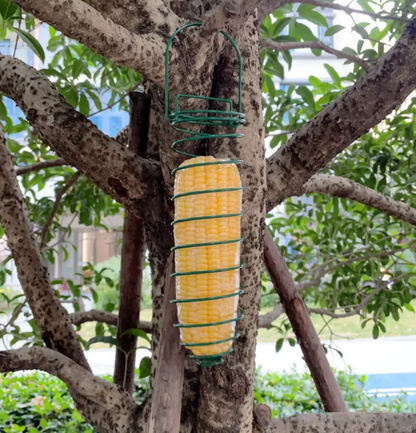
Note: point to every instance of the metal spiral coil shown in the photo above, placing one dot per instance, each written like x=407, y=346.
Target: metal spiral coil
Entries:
x=179, y=119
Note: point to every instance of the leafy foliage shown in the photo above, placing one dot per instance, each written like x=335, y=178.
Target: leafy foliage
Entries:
x=294, y=393
x=37, y=402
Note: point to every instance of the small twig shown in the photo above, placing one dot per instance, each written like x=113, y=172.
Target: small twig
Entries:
x=41, y=165
x=56, y=205
x=317, y=45
x=353, y=312
x=326, y=4
x=110, y=106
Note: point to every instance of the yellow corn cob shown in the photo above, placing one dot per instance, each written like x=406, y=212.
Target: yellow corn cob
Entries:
x=207, y=257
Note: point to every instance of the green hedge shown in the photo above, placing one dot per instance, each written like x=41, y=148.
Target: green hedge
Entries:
x=37, y=402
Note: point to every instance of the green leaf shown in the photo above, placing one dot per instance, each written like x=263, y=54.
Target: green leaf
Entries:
x=333, y=73
x=7, y=9
x=43, y=423
x=84, y=105
x=362, y=32
x=280, y=25
x=395, y=314
x=409, y=307
x=137, y=333
x=331, y=31
x=307, y=12
x=32, y=42
x=279, y=344
x=292, y=342
x=144, y=367
x=376, y=331
x=307, y=96
x=103, y=339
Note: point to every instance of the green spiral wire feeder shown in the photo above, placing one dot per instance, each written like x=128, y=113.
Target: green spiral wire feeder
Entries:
x=198, y=331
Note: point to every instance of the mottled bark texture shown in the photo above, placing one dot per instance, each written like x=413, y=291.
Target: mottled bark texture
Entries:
x=303, y=328
x=346, y=423
x=360, y=108
x=129, y=179
x=346, y=188
x=140, y=16
x=51, y=317
x=217, y=400
x=225, y=401
x=79, y=21
x=116, y=406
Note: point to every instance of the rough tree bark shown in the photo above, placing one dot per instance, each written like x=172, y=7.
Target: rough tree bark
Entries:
x=217, y=400
x=132, y=256
x=302, y=325
x=50, y=315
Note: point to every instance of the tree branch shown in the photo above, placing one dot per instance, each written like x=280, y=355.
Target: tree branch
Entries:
x=80, y=21
x=303, y=327
x=348, y=10
x=346, y=188
x=318, y=45
x=50, y=315
x=356, y=310
x=40, y=166
x=129, y=179
x=78, y=379
x=140, y=16
x=331, y=422
x=267, y=319
x=78, y=318
x=340, y=123
x=70, y=183
x=266, y=7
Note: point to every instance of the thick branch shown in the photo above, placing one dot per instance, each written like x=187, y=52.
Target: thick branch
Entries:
x=80, y=21
x=58, y=199
x=78, y=379
x=51, y=317
x=340, y=123
x=346, y=188
x=140, y=16
x=129, y=179
x=302, y=325
x=318, y=45
x=79, y=318
x=345, y=423
x=40, y=166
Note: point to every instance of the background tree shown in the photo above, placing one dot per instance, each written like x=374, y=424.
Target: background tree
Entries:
x=343, y=243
